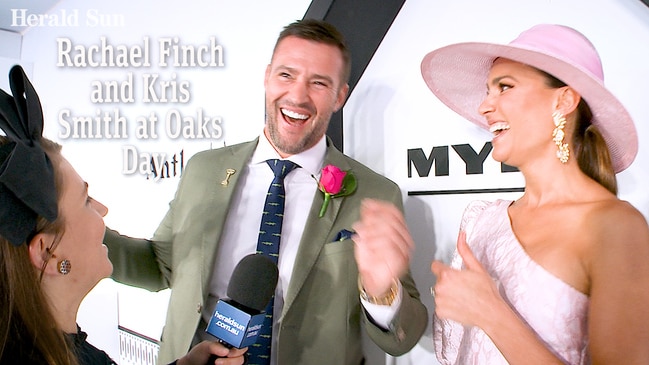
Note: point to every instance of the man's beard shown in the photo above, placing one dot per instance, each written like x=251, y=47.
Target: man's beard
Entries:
x=292, y=148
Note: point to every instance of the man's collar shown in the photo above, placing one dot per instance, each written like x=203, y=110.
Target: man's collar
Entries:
x=311, y=160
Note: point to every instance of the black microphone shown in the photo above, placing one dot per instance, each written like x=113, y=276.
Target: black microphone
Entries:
x=237, y=321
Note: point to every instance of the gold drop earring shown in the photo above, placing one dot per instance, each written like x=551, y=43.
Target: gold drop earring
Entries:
x=563, y=153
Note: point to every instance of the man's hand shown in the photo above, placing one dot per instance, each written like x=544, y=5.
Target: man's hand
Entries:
x=383, y=246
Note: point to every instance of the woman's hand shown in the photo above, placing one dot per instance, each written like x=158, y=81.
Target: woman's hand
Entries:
x=201, y=354
x=468, y=296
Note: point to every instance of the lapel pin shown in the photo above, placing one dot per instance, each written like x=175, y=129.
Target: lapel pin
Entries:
x=228, y=173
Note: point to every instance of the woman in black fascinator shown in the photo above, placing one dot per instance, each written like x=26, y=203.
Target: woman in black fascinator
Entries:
x=51, y=245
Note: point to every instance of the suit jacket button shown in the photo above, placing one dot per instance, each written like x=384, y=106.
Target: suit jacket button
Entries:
x=401, y=334
x=199, y=308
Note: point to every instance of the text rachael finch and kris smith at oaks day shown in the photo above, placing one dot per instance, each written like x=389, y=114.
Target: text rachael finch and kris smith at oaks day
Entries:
x=148, y=88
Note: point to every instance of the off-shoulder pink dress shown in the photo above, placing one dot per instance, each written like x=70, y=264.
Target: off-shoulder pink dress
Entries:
x=553, y=309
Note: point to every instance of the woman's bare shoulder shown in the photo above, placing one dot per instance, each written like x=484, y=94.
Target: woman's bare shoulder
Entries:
x=615, y=215
x=616, y=229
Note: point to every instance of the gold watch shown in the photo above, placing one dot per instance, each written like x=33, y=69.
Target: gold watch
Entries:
x=386, y=299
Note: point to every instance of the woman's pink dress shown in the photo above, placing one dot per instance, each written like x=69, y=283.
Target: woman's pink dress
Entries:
x=556, y=311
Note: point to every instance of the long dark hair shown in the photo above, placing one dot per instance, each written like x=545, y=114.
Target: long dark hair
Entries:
x=28, y=329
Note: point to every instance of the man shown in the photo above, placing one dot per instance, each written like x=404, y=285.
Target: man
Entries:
x=215, y=217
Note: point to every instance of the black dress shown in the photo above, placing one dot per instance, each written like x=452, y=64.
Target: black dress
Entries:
x=18, y=351
x=87, y=353
x=15, y=354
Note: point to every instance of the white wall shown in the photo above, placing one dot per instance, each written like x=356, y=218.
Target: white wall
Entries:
x=10, y=47
x=391, y=110
x=10, y=44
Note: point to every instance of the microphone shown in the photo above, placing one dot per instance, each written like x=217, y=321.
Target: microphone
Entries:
x=237, y=321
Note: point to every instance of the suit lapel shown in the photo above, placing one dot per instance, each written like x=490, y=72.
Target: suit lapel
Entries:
x=316, y=231
x=234, y=157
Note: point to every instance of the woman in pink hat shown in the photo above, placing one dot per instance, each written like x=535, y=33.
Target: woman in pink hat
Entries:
x=561, y=275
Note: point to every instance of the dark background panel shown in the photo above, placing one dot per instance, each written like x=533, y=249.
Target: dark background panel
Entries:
x=364, y=23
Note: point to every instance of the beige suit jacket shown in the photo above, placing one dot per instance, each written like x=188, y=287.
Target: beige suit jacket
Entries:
x=322, y=318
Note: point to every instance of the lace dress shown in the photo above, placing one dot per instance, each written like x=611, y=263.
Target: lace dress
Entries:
x=556, y=311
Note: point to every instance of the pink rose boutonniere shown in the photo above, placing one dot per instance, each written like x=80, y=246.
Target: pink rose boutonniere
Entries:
x=335, y=183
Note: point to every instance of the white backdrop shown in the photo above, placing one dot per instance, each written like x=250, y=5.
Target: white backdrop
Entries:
x=390, y=112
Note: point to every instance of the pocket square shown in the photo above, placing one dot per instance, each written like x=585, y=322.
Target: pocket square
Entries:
x=343, y=235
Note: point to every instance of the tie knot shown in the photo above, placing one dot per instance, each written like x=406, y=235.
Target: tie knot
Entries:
x=281, y=168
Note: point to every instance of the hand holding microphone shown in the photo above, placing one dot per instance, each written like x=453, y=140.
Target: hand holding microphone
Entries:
x=207, y=352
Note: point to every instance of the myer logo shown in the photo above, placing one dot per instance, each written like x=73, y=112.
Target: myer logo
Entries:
x=473, y=160
x=439, y=157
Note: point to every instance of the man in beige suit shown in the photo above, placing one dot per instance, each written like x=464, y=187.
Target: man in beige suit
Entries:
x=332, y=284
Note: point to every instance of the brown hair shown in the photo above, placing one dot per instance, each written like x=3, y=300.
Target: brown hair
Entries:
x=322, y=32
x=27, y=326
x=590, y=149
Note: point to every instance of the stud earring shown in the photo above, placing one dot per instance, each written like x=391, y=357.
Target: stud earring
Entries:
x=563, y=153
x=64, y=266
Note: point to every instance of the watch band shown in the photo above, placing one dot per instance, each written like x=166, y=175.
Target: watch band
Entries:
x=386, y=299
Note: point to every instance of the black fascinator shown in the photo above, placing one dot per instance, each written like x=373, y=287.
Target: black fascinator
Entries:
x=27, y=187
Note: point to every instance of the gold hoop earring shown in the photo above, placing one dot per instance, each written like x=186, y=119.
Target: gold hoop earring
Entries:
x=64, y=266
x=563, y=153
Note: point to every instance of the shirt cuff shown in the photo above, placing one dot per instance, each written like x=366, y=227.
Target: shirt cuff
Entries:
x=382, y=315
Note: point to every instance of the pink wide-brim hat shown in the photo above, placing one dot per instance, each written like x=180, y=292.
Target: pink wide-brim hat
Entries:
x=457, y=75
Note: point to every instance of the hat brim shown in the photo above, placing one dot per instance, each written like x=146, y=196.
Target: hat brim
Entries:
x=457, y=75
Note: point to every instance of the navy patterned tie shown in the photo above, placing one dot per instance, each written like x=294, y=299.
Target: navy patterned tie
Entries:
x=268, y=244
